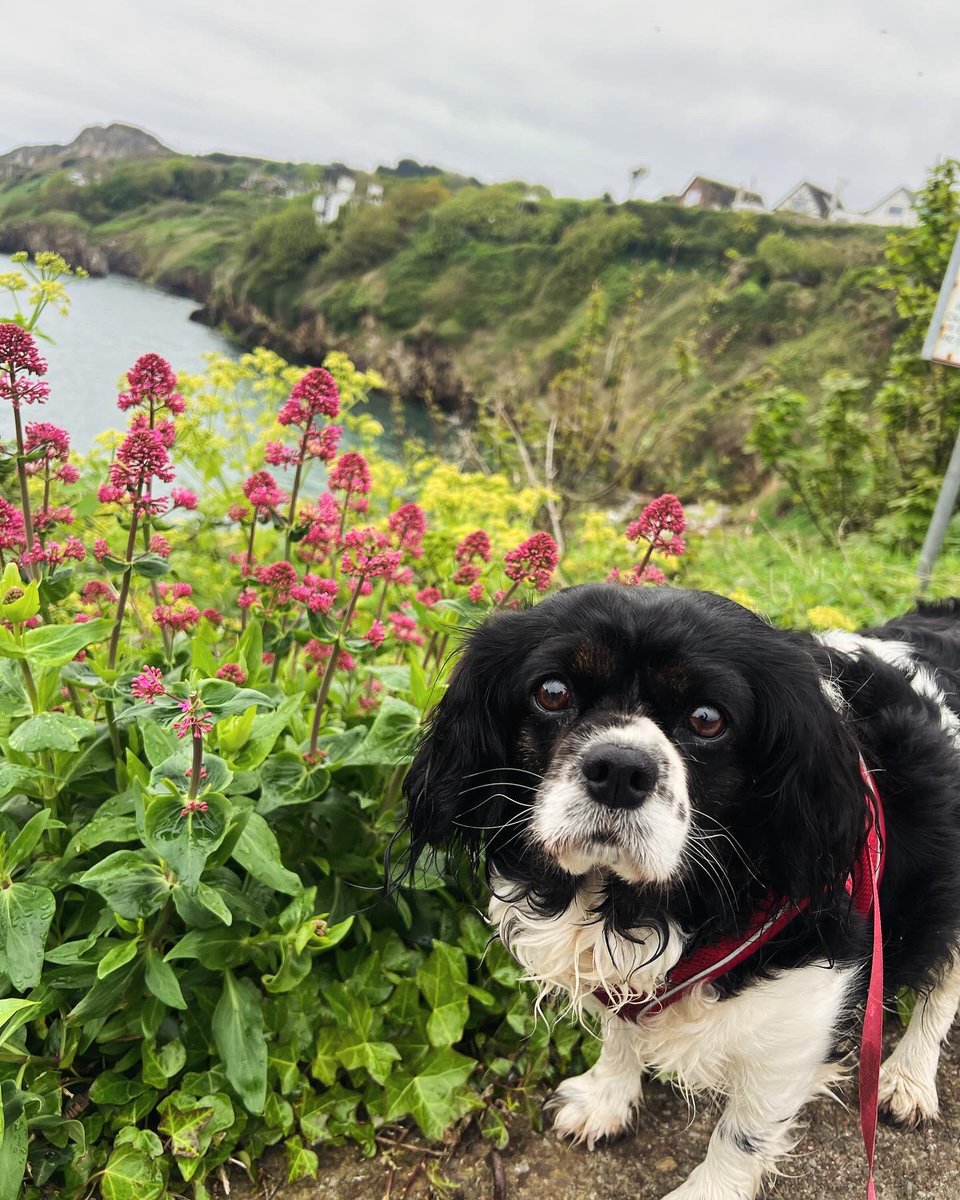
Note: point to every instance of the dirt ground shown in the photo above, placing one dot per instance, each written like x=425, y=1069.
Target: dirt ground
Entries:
x=828, y=1163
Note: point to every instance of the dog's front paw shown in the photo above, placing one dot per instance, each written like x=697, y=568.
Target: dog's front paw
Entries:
x=906, y=1100
x=590, y=1111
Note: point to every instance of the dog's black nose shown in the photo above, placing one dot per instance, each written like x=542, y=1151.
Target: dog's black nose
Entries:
x=619, y=776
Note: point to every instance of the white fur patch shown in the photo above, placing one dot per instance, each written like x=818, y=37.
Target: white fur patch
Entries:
x=642, y=845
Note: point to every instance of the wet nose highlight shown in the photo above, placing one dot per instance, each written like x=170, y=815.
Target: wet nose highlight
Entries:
x=618, y=776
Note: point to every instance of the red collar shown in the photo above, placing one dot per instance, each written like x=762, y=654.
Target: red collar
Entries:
x=715, y=959
x=712, y=961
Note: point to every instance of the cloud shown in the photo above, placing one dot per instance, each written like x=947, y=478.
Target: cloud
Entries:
x=564, y=94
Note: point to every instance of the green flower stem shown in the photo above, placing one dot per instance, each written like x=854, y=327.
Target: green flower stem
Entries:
x=249, y=565
x=508, y=593
x=196, y=767
x=295, y=491
x=34, y=568
x=332, y=666
x=125, y=582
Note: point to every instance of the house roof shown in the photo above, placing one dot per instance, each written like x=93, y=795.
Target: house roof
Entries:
x=823, y=198
x=910, y=194
x=725, y=194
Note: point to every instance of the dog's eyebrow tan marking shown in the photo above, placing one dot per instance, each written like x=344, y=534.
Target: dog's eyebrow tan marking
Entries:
x=591, y=658
x=674, y=675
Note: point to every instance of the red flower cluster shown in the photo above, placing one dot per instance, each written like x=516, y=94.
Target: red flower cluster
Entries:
x=408, y=525
x=473, y=550
x=172, y=612
x=533, y=561
x=141, y=457
x=152, y=385
x=19, y=358
x=13, y=535
x=365, y=554
x=351, y=474
x=263, y=492
x=148, y=685
x=233, y=673
x=661, y=523
x=315, y=395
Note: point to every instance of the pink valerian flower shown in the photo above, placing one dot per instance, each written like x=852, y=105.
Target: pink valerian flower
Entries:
x=533, y=561
x=376, y=634
x=194, y=722
x=148, y=685
x=661, y=523
x=72, y=548
x=279, y=455
x=408, y=525
x=404, y=629
x=44, y=519
x=141, y=457
x=108, y=494
x=18, y=359
x=233, y=673
x=321, y=444
x=49, y=445
x=194, y=806
x=94, y=591
x=183, y=498
x=159, y=545
x=279, y=577
x=164, y=428
x=350, y=474
x=100, y=549
x=429, y=596
x=13, y=535
x=371, y=699
x=152, y=384
x=315, y=395
x=248, y=598
x=323, y=528
x=238, y=512
x=474, y=545
x=366, y=554
x=318, y=594
x=469, y=573
x=263, y=492
x=172, y=612
x=213, y=615
x=317, y=654
x=637, y=576
x=475, y=593
x=67, y=473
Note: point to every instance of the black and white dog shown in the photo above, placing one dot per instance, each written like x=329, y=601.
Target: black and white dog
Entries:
x=642, y=770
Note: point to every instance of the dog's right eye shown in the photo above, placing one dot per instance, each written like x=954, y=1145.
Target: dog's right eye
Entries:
x=553, y=695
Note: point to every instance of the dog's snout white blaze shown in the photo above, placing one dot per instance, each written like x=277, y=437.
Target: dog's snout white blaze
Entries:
x=643, y=844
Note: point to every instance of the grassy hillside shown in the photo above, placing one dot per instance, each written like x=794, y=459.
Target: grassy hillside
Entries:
x=470, y=290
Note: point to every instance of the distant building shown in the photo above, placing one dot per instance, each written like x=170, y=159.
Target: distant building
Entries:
x=703, y=192
x=529, y=202
x=896, y=208
x=374, y=193
x=328, y=203
x=808, y=200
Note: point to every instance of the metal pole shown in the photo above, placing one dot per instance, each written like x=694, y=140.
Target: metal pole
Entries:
x=946, y=502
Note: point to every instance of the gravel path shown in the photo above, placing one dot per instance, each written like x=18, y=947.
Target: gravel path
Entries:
x=828, y=1163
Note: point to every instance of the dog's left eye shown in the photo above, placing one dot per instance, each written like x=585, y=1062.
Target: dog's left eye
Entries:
x=707, y=721
x=553, y=695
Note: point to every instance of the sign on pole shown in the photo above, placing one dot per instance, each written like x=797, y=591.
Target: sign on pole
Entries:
x=942, y=345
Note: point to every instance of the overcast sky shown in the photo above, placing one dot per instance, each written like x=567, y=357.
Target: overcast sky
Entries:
x=861, y=92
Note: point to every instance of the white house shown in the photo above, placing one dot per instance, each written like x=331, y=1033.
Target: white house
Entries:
x=374, y=193
x=894, y=209
x=327, y=204
x=809, y=200
x=704, y=192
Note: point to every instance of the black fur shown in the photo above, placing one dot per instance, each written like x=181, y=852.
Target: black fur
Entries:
x=783, y=781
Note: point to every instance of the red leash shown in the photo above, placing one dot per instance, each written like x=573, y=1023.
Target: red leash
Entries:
x=711, y=961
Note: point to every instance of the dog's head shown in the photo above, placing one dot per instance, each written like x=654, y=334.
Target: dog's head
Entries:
x=655, y=734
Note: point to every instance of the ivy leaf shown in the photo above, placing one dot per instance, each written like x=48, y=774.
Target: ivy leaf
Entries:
x=186, y=840
x=26, y=910
x=258, y=852
x=131, y=1175
x=433, y=1096
x=239, y=1038
x=376, y=1058
x=443, y=982
x=301, y=1162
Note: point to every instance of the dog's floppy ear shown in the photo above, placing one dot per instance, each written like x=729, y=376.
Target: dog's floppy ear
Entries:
x=808, y=796
x=466, y=735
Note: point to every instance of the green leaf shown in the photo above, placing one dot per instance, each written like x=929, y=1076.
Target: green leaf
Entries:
x=258, y=852
x=159, y=743
x=131, y=885
x=13, y=777
x=239, y=1037
x=14, y=1014
x=131, y=1175
x=175, y=768
x=214, y=903
x=285, y=782
x=301, y=1162
x=114, y=1088
x=151, y=566
x=391, y=737
x=118, y=956
x=250, y=650
x=434, y=1095
x=443, y=982
x=26, y=840
x=51, y=731
x=214, y=949
x=185, y=840
x=26, y=911
x=13, y=1157
x=376, y=1058
x=56, y=645
x=162, y=981
x=191, y=1123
